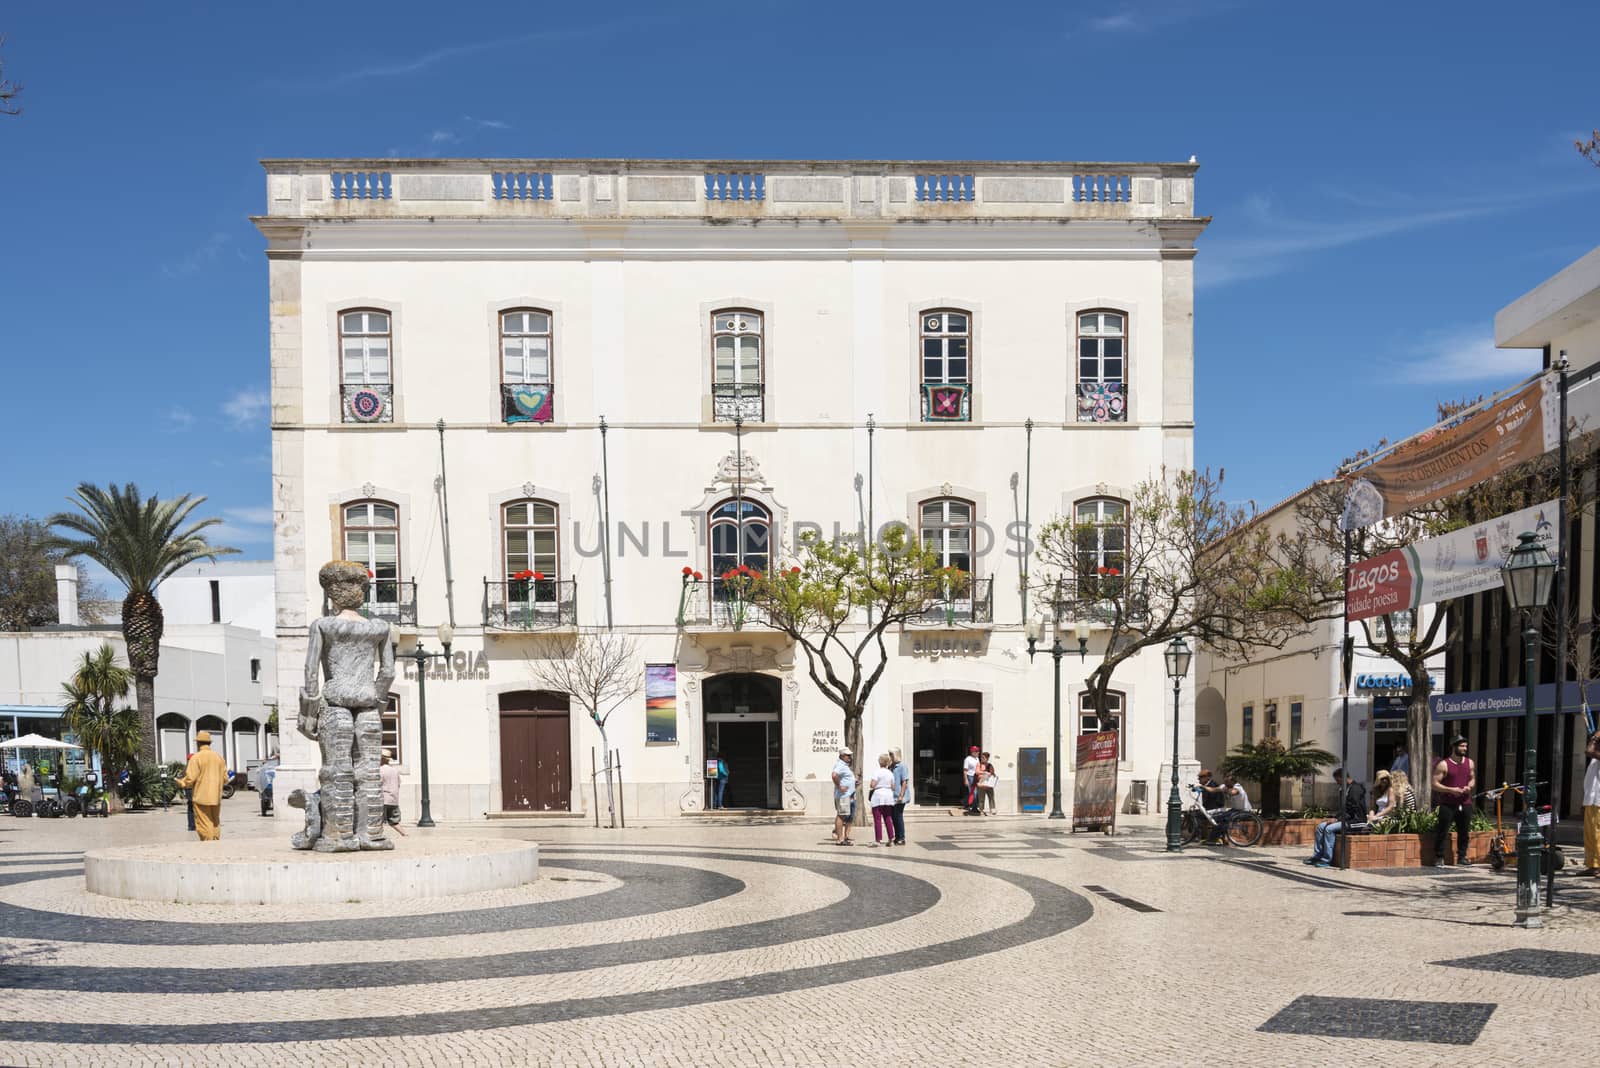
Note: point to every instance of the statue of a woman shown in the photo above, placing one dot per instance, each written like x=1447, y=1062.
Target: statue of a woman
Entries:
x=346, y=714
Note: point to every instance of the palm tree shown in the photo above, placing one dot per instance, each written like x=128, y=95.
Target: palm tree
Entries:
x=89, y=711
x=1267, y=762
x=142, y=541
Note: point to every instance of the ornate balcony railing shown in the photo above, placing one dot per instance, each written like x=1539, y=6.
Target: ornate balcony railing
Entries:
x=729, y=400
x=370, y=403
x=966, y=600
x=1098, y=599
x=946, y=402
x=530, y=604
x=527, y=403
x=1102, y=402
x=717, y=603
x=390, y=600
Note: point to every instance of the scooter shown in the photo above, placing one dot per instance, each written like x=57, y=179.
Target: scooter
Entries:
x=91, y=798
x=1503, y=846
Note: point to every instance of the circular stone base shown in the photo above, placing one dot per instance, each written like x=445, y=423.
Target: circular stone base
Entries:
x=265, y=871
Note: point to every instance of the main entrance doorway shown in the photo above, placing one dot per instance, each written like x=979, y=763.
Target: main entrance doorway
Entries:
x=945, y=724
x=535, y=758
x=744, y=725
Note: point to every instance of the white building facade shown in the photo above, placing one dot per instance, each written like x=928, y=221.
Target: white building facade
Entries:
x=476, y=365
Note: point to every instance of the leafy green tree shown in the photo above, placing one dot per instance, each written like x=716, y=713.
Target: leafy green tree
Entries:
x=89, y=710
x=28, y=575
x=1267, y=763
x=142, y=541
x=836, y=602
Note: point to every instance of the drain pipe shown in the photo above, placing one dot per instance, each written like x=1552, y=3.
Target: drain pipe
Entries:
x=1027, y=517
x=444, y=518
x=605, y=518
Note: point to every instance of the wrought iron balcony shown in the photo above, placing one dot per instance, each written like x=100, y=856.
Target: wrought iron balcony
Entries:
x=946, y=402
x=530, y=604
x=718, y=603
x=966, y=600
x=729, y=400
x=1099, y=599
x=390, y=600
x=370, y=403
x=1102, y=402
x=527, y=403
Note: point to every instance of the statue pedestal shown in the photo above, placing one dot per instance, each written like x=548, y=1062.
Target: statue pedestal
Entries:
x=265, y=871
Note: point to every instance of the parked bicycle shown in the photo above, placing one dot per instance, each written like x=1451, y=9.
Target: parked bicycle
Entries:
x=1233, y=826
x=1503, y=846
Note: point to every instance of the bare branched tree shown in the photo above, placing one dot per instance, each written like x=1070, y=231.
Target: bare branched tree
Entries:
x=598, y=669
x=9, y=90
x=1590, y=149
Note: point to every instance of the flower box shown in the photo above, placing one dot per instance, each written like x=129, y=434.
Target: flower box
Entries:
x=1402, y=850
x=1289, y=832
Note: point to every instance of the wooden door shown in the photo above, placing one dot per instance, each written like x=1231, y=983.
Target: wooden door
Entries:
x=535, y=762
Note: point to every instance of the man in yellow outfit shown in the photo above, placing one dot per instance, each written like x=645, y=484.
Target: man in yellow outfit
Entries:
x=205, y=775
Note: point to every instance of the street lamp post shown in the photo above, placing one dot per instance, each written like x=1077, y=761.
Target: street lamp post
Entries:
x=1035, y=632
x=1528, y=574
x=1177, y=656
x=420, y=657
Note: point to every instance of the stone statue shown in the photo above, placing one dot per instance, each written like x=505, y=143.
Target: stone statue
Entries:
x=345, y=715
x=312, y=803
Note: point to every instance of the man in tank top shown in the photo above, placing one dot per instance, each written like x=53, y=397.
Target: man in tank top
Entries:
x=1454, y=778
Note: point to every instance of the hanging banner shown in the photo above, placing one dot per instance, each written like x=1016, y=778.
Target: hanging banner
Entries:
x=1451, y=458
x=1457, y=564
x=1094, y=782
x=1032, y=765
x=660, y=704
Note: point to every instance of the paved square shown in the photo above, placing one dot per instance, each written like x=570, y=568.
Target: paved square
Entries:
x=701, y=942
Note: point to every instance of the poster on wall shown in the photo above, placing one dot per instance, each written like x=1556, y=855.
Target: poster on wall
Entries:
x=1094, y=782
x=1031, y=769
x=660, y=704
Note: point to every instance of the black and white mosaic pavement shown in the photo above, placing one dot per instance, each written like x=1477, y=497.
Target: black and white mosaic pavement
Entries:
x=1446, y=1022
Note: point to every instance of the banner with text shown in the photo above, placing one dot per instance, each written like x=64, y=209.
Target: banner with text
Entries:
x=1457, y=564
x=1094, y=781
x=1451, y=458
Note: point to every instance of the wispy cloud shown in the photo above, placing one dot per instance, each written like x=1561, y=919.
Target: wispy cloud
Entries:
x=198, y=258
x=247, y=409
x=1465, y=355
x=442, y=137
x=242, y=526
x=1145, y=16
x=179, y=418
x=437, y=56
x=493, y=124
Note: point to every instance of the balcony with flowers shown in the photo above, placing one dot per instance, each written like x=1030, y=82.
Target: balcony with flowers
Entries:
x=1101, y=596
x=961, y=599
x=724, y=602
x=530, y=601
x=388, y=599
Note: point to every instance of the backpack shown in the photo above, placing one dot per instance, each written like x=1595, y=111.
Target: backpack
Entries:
x=1355, y=803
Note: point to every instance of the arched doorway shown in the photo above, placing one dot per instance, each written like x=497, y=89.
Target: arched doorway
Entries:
x=535, y=752
x=1210, y=727
x=172, y=738
x=945, y=725
x=744, y=723
x=219, y=736
x=246, y=743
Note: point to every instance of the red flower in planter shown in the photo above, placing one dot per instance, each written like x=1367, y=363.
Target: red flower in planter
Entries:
x=1099, y=571
x=538, y=576
x=794, y=571
x=1113, y=571
x=699, y=577
x=755, y=574
x=688, y=571
x=370, y=574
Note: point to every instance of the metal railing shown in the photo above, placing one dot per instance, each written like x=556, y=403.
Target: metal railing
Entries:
x=1099, y=598
x=729, y=400
x=530, y=604
x=966, y=600
x=366, y=403
x=719, y=603
x=391, y=600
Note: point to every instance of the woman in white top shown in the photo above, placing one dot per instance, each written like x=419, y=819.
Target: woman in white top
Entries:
x=881, y=797
x=987, y=780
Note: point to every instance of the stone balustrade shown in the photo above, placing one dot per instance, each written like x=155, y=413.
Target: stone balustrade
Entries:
x=751, y=189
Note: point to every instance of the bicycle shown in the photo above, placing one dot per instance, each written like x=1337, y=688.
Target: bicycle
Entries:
x=1233, y=826
x=1502, y=854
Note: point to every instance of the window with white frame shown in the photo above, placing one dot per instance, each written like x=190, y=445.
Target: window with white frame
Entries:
x=1102, y=367
x=1102, y=530
x=741, y=535
x=1249, y=724
x=391, y=729
x=945, y=349
x=1092, y=720
x=366, y=366
x=527, y=386
x=737, y=368
x=371, y=537
x=532, y=544
x=947, y=530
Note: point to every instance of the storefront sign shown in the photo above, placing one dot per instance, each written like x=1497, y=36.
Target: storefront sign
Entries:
x=1446, y=460
x=825, y=741
x=1491, y=704
x=1457, y=564
x=1094, y=781
x=1032, y=766
x=458, y=668
x=931, y=646
x=660, y=704
x=1393, y=681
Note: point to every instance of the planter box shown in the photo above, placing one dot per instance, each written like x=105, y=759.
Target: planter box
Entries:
x=1401, y=850
x=1289, y=832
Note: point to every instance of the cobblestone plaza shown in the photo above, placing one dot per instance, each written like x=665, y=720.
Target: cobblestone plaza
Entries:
x=756, y=941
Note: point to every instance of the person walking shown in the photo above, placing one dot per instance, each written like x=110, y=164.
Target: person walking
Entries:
x=720, y=787
x=1591, y=807
x=844, y=798
x=902, y=795
x=987, y=781
x=1402, y=760
x=1454, y=778
x=204, y=778
x=880, y=794
x=389, y=786
x=969, y=779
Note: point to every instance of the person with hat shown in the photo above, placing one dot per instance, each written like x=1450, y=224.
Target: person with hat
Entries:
x=389, y=781
x=1454, y=779
x=205, y=776
x=844, y=797
x=969, y=776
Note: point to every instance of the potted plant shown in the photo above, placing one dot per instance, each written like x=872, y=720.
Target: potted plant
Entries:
x=1268, y=762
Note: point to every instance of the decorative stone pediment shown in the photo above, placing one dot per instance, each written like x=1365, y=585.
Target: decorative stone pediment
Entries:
x=742, y=658
x=736, y=468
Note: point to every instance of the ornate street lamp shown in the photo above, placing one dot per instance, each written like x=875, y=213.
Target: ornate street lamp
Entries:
x=1035, y=632
x=1178, y=656
x=446, y=634
x=1528, y=575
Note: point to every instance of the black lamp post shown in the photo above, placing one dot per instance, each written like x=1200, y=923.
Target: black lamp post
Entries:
x=1035, y=632
x=1528, y=575
x=1178, y=656
x=420, y=657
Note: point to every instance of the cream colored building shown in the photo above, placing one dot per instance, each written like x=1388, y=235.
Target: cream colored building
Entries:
x=564, y=341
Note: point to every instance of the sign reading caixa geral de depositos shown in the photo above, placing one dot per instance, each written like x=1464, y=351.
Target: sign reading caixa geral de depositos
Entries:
x=1457, y=564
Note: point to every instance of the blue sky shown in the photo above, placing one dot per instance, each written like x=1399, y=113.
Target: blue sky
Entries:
x=1383, y=177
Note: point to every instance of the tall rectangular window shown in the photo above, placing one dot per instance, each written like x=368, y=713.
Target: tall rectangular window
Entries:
x=737, y=366
x=216, y=601
x=1296, y=722
x=366, y=367
x=1102, y=367
x=255, y=669
x=527, y=389
x=1271, y=710
x=391, y=729
x=1092, y=721
x=1249, y=724
x=372, y=538
x=946, y=355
